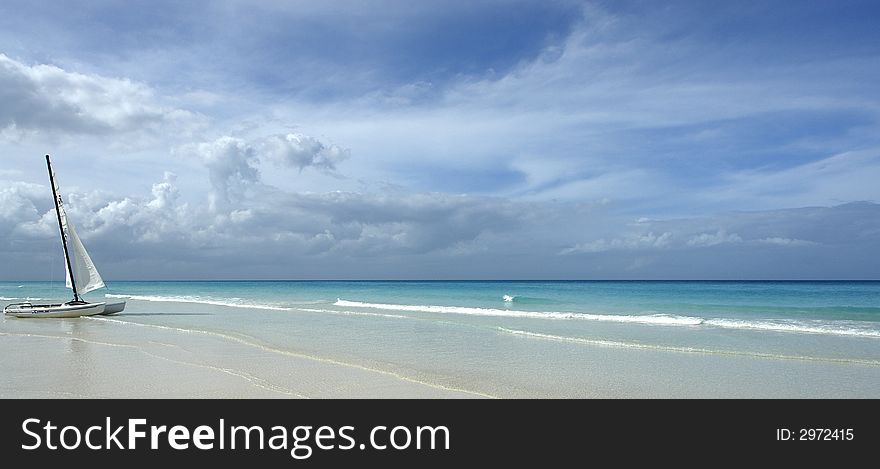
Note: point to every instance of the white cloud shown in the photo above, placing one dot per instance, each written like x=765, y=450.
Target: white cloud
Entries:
x=631, y=243
x=46, y=98
x=16, y=200
x=269, y=232
x=230, y=167
x=344, y=224
x=232, y=162
x=778, y=241
x=302, y=151
x=164, y=193
x=714, y=239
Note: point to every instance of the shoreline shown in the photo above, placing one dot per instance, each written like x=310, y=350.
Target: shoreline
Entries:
x=189, y=350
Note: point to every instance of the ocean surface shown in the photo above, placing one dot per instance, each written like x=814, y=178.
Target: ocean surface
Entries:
x=534, y=338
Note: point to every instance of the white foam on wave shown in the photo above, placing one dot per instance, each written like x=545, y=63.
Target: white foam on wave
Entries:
x=508, y=298
x=309, y=302
x=812, y=327
x=838, y=328
x=230, y=302
x=658, y=319
x=6, y=298
x=353, y=313
x=680, y=349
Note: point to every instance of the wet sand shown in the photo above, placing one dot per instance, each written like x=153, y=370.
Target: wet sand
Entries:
x=88, y=358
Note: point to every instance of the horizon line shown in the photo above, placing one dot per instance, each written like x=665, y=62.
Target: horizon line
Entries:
x=475, y=280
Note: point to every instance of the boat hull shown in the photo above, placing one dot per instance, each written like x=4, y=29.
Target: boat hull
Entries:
x=113, y=308
x=53, y=311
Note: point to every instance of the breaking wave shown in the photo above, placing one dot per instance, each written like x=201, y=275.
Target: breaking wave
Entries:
x=839, y=328
x=230, y=302
x=661, y=319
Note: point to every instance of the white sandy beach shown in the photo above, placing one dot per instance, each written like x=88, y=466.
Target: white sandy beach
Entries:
x=187, y=350
x=104, y=358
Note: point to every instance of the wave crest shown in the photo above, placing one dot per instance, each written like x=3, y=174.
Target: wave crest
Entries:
x=838, y=328
x=660, y=319
x=230, y=302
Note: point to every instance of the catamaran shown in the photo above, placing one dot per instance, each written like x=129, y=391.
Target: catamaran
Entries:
x=82, y=276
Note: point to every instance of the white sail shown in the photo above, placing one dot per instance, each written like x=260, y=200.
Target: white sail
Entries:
x=87, y=276
x=84, y=271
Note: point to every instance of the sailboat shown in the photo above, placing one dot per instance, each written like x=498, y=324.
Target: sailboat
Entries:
x=82, y=276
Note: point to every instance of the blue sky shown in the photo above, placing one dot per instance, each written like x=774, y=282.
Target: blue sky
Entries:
x=496, y=139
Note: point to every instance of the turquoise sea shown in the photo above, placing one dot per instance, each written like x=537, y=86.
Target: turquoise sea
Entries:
x=540, y=338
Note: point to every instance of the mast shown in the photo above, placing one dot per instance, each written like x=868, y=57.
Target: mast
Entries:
x=61, y=229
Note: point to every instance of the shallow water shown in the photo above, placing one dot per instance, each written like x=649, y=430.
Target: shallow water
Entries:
x=460, y=339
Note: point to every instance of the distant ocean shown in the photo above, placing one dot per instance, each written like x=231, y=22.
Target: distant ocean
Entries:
x=540, y=338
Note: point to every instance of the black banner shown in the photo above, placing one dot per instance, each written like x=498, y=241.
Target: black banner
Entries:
x=326, y=433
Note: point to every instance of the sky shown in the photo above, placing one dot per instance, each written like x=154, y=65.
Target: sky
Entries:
x=500, y=139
